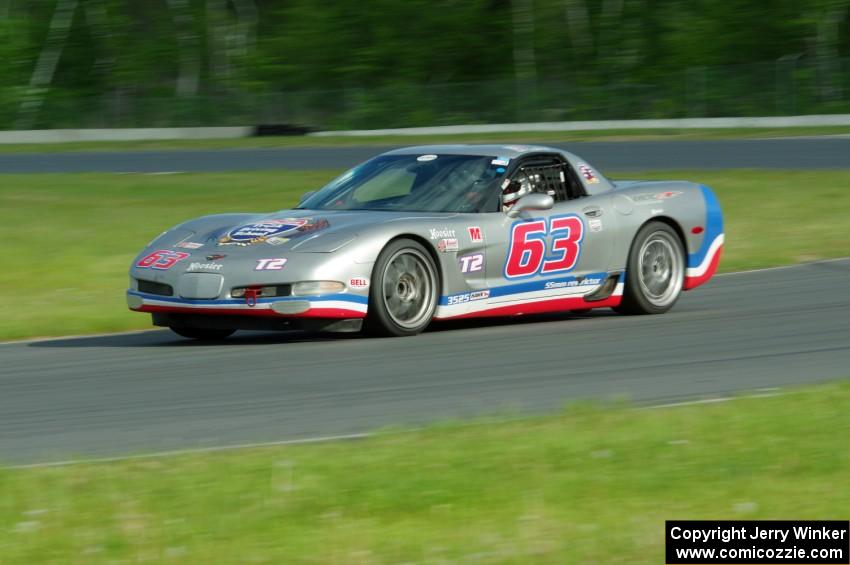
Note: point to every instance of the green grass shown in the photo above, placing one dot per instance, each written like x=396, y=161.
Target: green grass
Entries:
x=592, y=485
x=67, y=240
x=777, y=218
x=512, y=137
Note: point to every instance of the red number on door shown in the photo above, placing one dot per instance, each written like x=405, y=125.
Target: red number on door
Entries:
x=527, y=248
x=568, y=231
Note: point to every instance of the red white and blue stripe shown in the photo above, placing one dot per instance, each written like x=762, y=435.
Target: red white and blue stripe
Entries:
x=329, y=306
x=551, y=295
x=703, y=263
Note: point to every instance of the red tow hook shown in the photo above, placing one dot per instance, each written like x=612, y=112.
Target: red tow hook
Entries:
x=251, y=295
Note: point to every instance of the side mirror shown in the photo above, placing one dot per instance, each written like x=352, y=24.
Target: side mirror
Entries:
x=306, y=195
x=533, y=201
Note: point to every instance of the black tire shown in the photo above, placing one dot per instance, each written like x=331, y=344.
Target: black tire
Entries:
x=405, y=289
x=655, y=272
x=202, y=334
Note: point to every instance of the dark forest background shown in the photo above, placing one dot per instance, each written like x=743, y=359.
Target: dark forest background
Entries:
x=385, y=63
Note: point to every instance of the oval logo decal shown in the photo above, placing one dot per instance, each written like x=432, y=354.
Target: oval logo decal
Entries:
x=261, y=231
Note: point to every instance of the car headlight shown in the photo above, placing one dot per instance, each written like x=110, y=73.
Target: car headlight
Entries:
x=172, y=236
x=316, y=287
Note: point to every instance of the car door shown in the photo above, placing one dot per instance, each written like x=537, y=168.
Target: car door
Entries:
x=563, y=251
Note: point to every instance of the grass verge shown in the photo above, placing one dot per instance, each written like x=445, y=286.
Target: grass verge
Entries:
x=592, y=485
x=67, y=240
x=383, y=140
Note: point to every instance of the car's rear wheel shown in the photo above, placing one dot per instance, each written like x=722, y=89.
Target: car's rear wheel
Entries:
x=202, y=334
x=655, y=272
x=404, y=290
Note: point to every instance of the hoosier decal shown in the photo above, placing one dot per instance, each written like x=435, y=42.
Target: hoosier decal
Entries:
x=198, y=266
x=441, y=233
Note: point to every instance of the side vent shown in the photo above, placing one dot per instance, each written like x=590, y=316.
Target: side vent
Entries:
x=604, y=291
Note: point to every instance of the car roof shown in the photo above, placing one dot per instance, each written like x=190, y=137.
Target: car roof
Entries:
x=512, y=151
x=509, y=151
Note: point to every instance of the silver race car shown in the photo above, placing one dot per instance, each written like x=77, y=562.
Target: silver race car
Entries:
x=435, y=233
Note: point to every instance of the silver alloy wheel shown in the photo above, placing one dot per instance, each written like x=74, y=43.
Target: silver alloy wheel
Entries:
x=409, y=288
x=660, y=269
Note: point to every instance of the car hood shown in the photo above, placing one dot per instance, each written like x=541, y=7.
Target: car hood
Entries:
x=300, y=231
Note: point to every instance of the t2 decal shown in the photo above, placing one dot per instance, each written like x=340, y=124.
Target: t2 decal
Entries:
x=270, y=264
x=162, y=259
x=471, y=263
x=527, y=247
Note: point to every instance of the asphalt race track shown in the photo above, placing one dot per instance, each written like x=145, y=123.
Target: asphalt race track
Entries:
x=788, y=153
x=152, y=391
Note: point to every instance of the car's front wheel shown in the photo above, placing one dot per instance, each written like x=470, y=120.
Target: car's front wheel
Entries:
x=655, y=272
x=202, y=334
x=404, y=290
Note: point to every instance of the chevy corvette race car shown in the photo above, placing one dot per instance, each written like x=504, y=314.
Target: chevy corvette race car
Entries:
x=435, y=233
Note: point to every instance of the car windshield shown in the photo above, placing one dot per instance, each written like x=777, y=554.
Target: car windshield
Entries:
x=415, y=183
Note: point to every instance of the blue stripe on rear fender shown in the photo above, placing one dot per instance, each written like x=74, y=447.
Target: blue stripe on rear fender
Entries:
x=713, y=227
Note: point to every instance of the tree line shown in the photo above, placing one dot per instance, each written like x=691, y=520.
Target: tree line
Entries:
x=77, y=63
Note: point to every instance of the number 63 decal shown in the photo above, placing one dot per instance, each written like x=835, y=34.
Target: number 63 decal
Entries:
x=162, y=259
x=527, y=247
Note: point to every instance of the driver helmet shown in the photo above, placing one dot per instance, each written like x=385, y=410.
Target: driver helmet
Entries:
x=515, y=189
